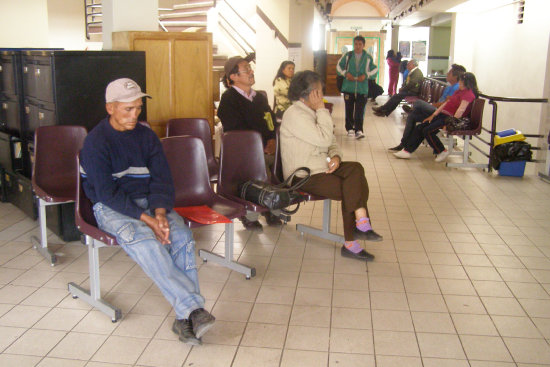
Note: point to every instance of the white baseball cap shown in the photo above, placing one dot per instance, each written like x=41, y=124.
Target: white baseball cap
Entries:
x=123, y=90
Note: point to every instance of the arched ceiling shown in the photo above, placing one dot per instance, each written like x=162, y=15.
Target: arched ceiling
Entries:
x=383, y=6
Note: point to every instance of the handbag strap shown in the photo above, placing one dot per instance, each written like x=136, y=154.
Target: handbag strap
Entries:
x=302, y=180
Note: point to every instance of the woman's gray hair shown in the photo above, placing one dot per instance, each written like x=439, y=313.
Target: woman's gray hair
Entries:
x=302, y=84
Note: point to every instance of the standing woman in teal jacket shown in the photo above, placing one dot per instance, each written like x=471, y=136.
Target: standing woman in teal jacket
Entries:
x=356, y=66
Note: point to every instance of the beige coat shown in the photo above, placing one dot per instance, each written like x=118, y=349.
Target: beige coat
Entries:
x=307, y=139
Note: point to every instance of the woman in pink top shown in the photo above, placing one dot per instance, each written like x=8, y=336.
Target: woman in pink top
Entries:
x=393, y=64
x=458, y=105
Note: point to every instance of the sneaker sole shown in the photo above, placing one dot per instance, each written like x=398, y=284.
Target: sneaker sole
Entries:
x=203, y=329
x=191, y=341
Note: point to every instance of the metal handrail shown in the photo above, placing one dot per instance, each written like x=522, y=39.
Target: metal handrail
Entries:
x=233, y=37
x=236, y=33
x=493, y=131
x=240, y=17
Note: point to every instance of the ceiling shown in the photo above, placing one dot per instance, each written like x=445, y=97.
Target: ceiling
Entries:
x=405, y=12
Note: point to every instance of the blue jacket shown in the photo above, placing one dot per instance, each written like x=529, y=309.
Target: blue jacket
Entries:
x=120, y=166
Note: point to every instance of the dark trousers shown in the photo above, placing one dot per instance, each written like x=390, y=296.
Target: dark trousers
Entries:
x=355, y=110
x=421, y=110
x=393, y=102
x=429, y=132
x=347, y=184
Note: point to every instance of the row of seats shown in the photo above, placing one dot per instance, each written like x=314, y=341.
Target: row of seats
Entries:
x=430, y=91
x=188, y=158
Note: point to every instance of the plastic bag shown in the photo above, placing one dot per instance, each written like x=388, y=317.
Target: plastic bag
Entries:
x=511, y=152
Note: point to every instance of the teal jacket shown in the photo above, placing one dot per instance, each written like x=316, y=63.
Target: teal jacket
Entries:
x=365, y=68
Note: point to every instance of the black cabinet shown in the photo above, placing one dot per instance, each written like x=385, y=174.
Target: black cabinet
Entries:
x=11, y=92
x=19, y=193
x=68, y=87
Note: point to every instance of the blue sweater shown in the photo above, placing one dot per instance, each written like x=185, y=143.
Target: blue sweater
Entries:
x=120, y=166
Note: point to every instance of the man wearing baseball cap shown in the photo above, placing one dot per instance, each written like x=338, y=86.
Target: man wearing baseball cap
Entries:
x=126, y=176
x=242, y=108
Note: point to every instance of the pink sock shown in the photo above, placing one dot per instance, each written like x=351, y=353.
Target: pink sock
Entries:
x=363, y=224
x=353, y=246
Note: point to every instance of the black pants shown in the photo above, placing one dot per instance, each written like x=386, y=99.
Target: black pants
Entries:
x=355, y=110
x=393, y=102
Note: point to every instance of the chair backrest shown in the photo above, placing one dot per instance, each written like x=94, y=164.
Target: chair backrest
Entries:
x=476, y=115
x=241, y=160
x=84, y=218
x=200, y=128
x=55, y=148
x=277, y=169
x=425, y=90
x=187, y=162
x=437, y=91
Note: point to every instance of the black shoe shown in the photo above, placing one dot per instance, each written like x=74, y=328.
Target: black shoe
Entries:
x=250, y=225
x=185, y=332
x=362, y=255
x=381, y=113
x=202, y=321
x=397, y=148
x=377, y=109
x=369, y=235
x=272, y=219
x=407, y=108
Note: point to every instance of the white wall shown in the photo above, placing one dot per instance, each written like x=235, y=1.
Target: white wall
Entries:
x=509, y=60
x=412, y=34
x=24, y=23
x=301, y=31
x=66, y=24
x=270, y=52
x=128, y=15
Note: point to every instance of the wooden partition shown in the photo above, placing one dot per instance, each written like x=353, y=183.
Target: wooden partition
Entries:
x=179, y=74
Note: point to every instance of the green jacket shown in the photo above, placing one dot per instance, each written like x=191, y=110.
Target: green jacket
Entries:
x=413, y=82
x=365, y=68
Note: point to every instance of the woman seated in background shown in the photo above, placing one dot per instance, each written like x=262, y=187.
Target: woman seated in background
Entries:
x=280, y=88
x=458, y=105
x=307, y=140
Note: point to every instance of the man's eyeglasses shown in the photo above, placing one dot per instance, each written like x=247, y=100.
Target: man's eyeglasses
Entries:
x=248, y=70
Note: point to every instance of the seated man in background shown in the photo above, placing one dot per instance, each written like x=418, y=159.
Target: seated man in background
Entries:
x=126, y=176
x=422, y=109
x=241, y=108
x=411, y=87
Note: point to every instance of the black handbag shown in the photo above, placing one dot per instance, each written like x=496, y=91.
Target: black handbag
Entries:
x=275, y=197
x=456, y=124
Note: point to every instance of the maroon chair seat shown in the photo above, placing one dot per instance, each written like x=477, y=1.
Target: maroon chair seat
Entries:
x=241, y=160
x=94, y=238
x=199, y=128
x=187, y=161
x=54, y=174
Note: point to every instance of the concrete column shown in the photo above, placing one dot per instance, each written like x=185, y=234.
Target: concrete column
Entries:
x=128, y=15
x=301, y=31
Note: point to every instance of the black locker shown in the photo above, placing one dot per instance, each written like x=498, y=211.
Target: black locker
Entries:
x=69, y=86
x=19, y=193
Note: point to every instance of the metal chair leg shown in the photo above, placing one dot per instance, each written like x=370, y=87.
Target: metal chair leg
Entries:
x=227, y=259
x=93, y=296
x=41, y=245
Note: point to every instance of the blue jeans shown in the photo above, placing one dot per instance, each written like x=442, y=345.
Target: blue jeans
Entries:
x=172, y=267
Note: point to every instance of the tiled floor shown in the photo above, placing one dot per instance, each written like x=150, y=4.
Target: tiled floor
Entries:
x=461, y=279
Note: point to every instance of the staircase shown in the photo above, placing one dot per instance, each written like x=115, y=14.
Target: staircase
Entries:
x=188, y=17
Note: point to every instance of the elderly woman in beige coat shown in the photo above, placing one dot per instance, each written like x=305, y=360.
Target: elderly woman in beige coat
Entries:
x=307, y=140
